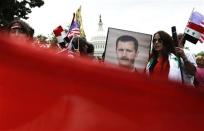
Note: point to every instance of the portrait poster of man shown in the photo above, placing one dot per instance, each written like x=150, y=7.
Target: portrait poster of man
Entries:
x=127, y=49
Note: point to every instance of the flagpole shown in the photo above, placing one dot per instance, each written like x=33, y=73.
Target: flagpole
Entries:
x=78, y=44
x=190, y=16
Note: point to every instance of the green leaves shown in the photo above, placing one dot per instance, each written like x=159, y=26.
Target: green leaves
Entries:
x=10, y=9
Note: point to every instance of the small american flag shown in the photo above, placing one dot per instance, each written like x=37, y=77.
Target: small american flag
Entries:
x=74, y=29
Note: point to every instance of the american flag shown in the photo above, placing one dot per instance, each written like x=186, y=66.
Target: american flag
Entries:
x=74, y=29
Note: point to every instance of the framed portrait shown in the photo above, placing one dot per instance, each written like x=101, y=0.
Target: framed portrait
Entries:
x=140, y=54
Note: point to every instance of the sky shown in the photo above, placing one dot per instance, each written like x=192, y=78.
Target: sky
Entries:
x=145, y=16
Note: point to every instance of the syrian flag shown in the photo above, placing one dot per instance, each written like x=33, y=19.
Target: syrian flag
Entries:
x=60, y=35
x=194, y=30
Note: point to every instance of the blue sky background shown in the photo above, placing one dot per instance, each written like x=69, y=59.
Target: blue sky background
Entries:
x=145, y=16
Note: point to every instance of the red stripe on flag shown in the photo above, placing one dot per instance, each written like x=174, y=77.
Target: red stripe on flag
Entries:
x=202, y=23
x=201, y=38
x=74, y=32
x=196, y=27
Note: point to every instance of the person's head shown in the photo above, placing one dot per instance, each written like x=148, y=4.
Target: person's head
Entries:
x=162, y=44
x=90, y=51
x=200, y=61
x=126, y=50
x=20, y=28
x=81, y=45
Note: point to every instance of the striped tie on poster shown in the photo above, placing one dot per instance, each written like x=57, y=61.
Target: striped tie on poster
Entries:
x=194, y=30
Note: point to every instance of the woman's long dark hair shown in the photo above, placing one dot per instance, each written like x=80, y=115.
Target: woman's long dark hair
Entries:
x=167, y=42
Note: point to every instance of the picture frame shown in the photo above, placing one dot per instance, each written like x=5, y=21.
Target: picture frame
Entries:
x=144, y=47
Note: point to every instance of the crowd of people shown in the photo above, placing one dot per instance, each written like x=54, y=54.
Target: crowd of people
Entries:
x=166, y=60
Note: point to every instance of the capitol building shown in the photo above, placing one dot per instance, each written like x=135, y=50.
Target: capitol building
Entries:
x=99, y=40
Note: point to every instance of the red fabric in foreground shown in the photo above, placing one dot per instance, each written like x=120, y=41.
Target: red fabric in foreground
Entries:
x=40, y=91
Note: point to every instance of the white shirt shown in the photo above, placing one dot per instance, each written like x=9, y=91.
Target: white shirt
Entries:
x=175, y=72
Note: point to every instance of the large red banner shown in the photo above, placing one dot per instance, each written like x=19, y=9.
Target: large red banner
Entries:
x=41, y=91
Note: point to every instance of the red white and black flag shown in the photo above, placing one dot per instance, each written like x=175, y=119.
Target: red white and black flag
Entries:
x=194, y=30
x=60, y=35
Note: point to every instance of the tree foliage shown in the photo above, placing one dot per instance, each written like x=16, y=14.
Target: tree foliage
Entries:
x=46, y=42
x=10, y=9
x=42, y=38
x=53, y=39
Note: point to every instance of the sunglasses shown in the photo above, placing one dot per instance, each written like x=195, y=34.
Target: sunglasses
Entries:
x=159, y=40
x=15, y=30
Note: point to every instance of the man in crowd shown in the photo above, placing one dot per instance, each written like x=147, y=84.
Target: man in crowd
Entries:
x=188, y=63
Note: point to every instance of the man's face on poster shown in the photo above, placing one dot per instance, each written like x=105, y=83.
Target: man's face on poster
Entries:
x=126, y=53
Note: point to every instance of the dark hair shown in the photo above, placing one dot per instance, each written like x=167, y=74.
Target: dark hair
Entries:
x=126, y=38
x=81, y=44
x=26, y=28
x=2, y=28
x=90, y=48
x=167, y=42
